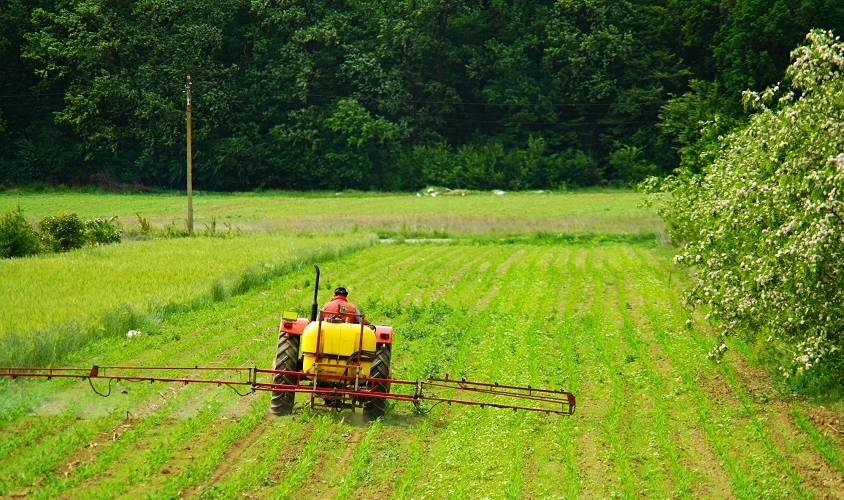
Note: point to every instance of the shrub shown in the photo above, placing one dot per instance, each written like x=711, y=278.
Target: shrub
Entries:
x=17, y=237
x=62, y=232
x=763, y=223
x=628, y=165
x=102, y=231
x=173, y=230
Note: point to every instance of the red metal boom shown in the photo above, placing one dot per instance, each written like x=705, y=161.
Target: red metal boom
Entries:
x=336, y=390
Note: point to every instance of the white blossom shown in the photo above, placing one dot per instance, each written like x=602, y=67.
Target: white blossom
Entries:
x=763, y=224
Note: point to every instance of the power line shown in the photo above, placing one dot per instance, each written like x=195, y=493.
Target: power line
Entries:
x=16, y=96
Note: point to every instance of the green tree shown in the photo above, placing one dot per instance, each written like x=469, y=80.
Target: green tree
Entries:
x=763, y=224
x=122, y=67
x=754, y=40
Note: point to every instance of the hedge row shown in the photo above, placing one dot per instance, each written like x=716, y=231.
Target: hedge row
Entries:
x=56, y=233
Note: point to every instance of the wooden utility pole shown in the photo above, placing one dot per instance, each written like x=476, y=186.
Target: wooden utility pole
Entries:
x=190, y=166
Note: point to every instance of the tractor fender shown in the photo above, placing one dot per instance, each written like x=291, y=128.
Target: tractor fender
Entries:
x=383, y=334
x=293, y=327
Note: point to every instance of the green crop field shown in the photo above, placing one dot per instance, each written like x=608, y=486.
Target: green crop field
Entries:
x=604, y=320
x=590, y=211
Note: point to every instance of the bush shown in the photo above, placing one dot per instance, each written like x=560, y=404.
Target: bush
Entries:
x=102, y=232
x=62, y=232
x=763, y=223
x=17, y=237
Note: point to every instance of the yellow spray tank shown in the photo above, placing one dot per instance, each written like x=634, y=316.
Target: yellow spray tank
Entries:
x=341, y=345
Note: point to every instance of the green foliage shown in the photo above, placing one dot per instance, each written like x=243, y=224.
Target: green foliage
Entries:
x=295, y=95
x=491, y=166
x=754, y=39
x=763, y=223
x=342, y=95
x=17, y=236
x=102, y=231
x=177, y=230
x=629, y=166
x=694, y=123
x=62, y=232
x=59, y=233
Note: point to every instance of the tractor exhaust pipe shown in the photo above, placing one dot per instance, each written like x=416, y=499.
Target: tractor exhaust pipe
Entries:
x=315, y=305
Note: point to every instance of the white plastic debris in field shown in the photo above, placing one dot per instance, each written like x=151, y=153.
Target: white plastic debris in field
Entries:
x=132, y=333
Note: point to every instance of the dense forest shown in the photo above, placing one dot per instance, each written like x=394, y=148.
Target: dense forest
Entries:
x=386, y=94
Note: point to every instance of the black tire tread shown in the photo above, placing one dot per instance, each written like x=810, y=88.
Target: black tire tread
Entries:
x=380, y=368
x=286, y=358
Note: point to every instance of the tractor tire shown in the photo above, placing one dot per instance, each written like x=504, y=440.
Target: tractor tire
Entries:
x=375, y=407
x=286, y=358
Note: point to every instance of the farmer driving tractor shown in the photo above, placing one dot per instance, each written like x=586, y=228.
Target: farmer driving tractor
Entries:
x=342, y=308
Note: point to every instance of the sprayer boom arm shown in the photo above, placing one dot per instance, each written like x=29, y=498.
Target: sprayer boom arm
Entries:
x=437, y=390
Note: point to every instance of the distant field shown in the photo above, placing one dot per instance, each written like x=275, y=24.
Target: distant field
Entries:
x=655, y=419
x=588, y=211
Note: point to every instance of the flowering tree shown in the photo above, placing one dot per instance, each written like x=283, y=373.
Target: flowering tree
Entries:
x=763, y=225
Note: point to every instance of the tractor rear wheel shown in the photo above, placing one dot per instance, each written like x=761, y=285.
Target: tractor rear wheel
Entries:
x=286, y=358
x=375, y=407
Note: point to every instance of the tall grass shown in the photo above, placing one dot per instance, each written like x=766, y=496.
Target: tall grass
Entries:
x=134, y=311
x=47, y=290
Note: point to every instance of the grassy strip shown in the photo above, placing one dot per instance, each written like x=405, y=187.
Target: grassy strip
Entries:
x=415, y=464
x=577, y=239
x=585, y=238
x=407, y=210
x=647, y=430
x=55, y=485
x=565, y=430
x=42, y=460
x=267, y=453
x=16, y=438
x=47, y=346
x=294, y=477
x=760, y=433
x=516, y=475
x=768, y=469
x=360, y=468
x=709, y=424
x=615, y=424
x=754, y=472
x=826, y=447
x=214, y=453
x=657, y=391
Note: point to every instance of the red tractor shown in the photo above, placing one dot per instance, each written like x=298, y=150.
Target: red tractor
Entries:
x=334, y=351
